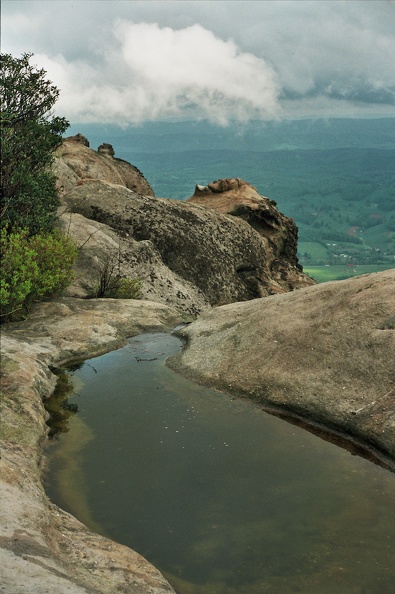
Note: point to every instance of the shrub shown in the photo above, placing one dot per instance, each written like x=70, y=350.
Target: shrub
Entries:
x=111, y=283
x=32, y=269
x=127, y=288
x=29, y=136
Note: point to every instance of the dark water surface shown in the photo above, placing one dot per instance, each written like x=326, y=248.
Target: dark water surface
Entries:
x=222, y=497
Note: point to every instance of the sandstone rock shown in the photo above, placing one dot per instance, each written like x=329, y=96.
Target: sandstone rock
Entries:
x=100, y=246
x=106, y=149
x=222, y=256
x=184, y=256
x=240, y=199
x=79, y=138
x=324, y=354
x=42, y=548
x=75, y=163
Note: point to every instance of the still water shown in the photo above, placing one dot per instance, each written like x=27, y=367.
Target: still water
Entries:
x=220, y=496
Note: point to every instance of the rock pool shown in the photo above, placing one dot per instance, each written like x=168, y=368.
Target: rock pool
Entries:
x=220, y=496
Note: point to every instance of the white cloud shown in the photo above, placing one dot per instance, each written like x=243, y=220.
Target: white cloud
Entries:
x=297, y=50
x=152, y=72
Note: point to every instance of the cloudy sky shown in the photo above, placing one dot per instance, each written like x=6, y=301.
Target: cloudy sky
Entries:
x=221, y=60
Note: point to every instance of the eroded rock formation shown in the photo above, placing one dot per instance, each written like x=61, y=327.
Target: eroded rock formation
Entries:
x=75, y=163
x=240, y=199
x=226, y=243
x=324, y=353
x=186, y=255
x=217, y=257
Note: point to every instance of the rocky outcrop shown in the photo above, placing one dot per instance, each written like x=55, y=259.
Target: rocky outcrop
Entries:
x=324, y=354
x=75, y=163
x=222, y=256
x=42, y=548
x=280, y=233
x=102, y=248
x=189, y=255
x=185, y=255
x=106, y=149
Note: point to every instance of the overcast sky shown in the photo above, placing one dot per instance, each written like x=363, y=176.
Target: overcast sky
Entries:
x=130, y=62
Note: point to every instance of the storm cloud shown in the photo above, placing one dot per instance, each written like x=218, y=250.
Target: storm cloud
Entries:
x=137, y=61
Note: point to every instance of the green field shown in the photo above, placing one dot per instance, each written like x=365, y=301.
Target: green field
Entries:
x=326, y=273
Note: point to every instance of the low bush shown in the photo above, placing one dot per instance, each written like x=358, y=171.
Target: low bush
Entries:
x=32, y=269
x=117, y=287
x=127, y=288
x=111, y=283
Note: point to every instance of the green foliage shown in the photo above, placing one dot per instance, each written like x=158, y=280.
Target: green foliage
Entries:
x=29, y=136
x=58, y=407
x=19, y=269
x=111, y=283
x=32, y=269
x=325, y=273
x=117, y=287
x=127, y=288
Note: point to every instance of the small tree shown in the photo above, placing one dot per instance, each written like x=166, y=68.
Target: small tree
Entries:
x=29, y=136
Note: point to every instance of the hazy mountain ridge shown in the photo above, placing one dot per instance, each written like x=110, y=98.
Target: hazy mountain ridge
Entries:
x=266, y=136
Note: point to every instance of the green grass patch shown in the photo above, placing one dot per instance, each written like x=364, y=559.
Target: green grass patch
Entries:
x=313, y=249
x=323, y=274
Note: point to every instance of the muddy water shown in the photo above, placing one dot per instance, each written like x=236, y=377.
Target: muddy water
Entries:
x=220, y=496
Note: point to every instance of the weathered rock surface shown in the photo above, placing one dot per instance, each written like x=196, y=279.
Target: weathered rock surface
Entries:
x=101, y=247
x=185, y=256
x=75, y=163
x=222, y=256
x=324, y=353
x=42, y=548
x=279, y=233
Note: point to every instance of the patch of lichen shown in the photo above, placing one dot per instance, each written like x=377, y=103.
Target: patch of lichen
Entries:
x=8, y=365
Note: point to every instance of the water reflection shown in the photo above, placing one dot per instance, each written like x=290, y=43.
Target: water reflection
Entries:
x=221, y=497
x=58, y=406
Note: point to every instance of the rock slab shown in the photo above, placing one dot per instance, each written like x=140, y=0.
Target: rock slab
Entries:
x=324, y=354
x=75, y=163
